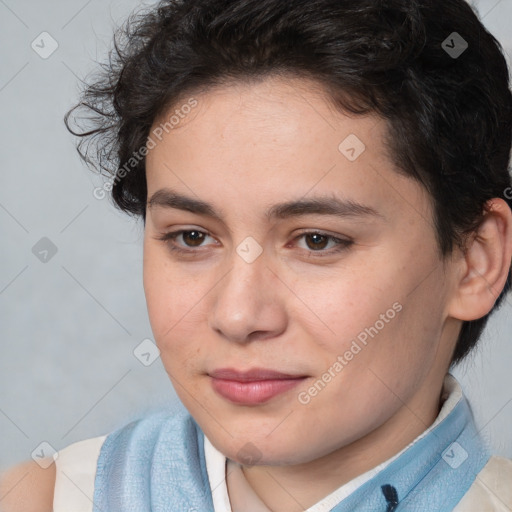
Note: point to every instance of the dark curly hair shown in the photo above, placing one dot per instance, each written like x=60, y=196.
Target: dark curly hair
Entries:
x=449, y=116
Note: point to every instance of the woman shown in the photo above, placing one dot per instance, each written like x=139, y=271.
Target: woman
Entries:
x=322, y=186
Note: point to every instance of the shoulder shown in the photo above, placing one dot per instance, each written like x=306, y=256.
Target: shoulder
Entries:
x=28, y=487
x=145, y=458
x=492, y=489
x=75, y=474
x=55, y=483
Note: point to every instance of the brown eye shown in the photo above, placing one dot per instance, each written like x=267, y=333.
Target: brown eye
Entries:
x=320, y=244
x=317, y=241
x=184, y=241
x=193, y=238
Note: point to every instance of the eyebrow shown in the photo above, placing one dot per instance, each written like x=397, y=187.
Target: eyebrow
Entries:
x=325, y=205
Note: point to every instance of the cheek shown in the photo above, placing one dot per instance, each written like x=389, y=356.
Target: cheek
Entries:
x=395, y=348
x=175, y=309
x=156, y=291
x=375, y=317
x=337, y=308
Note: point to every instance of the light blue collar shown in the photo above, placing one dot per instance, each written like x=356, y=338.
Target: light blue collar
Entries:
x=157, y=464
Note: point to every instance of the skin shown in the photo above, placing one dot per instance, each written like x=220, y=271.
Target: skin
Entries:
x=244, y=148
x=27, y=488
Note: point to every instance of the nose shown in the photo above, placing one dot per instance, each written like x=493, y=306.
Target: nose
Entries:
x=246, y=303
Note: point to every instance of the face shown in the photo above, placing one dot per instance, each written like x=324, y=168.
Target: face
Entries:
x=305, y=305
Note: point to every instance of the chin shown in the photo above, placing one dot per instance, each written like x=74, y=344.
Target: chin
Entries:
x=260, y=450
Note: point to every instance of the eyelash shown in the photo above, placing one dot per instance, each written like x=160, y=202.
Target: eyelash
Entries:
x=171, y=236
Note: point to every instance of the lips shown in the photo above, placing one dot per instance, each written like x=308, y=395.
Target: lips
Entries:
x=255, y=374
x=254, y=386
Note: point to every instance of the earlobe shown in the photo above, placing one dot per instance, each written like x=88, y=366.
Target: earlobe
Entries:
x=485, y=263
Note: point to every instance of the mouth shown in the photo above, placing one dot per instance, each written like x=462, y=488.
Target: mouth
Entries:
x=254, y=386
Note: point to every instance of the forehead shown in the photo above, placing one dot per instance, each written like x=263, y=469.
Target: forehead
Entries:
x=282, y=110
x=276, y=137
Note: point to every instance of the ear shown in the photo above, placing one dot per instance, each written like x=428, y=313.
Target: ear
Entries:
x=485, y=264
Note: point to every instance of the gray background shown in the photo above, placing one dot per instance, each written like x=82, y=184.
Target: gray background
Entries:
x=69, y=326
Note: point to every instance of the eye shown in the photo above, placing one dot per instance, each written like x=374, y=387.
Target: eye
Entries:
x=193, y=236
x=315, y=241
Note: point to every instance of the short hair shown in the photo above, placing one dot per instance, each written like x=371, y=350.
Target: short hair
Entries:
x=448, y=108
